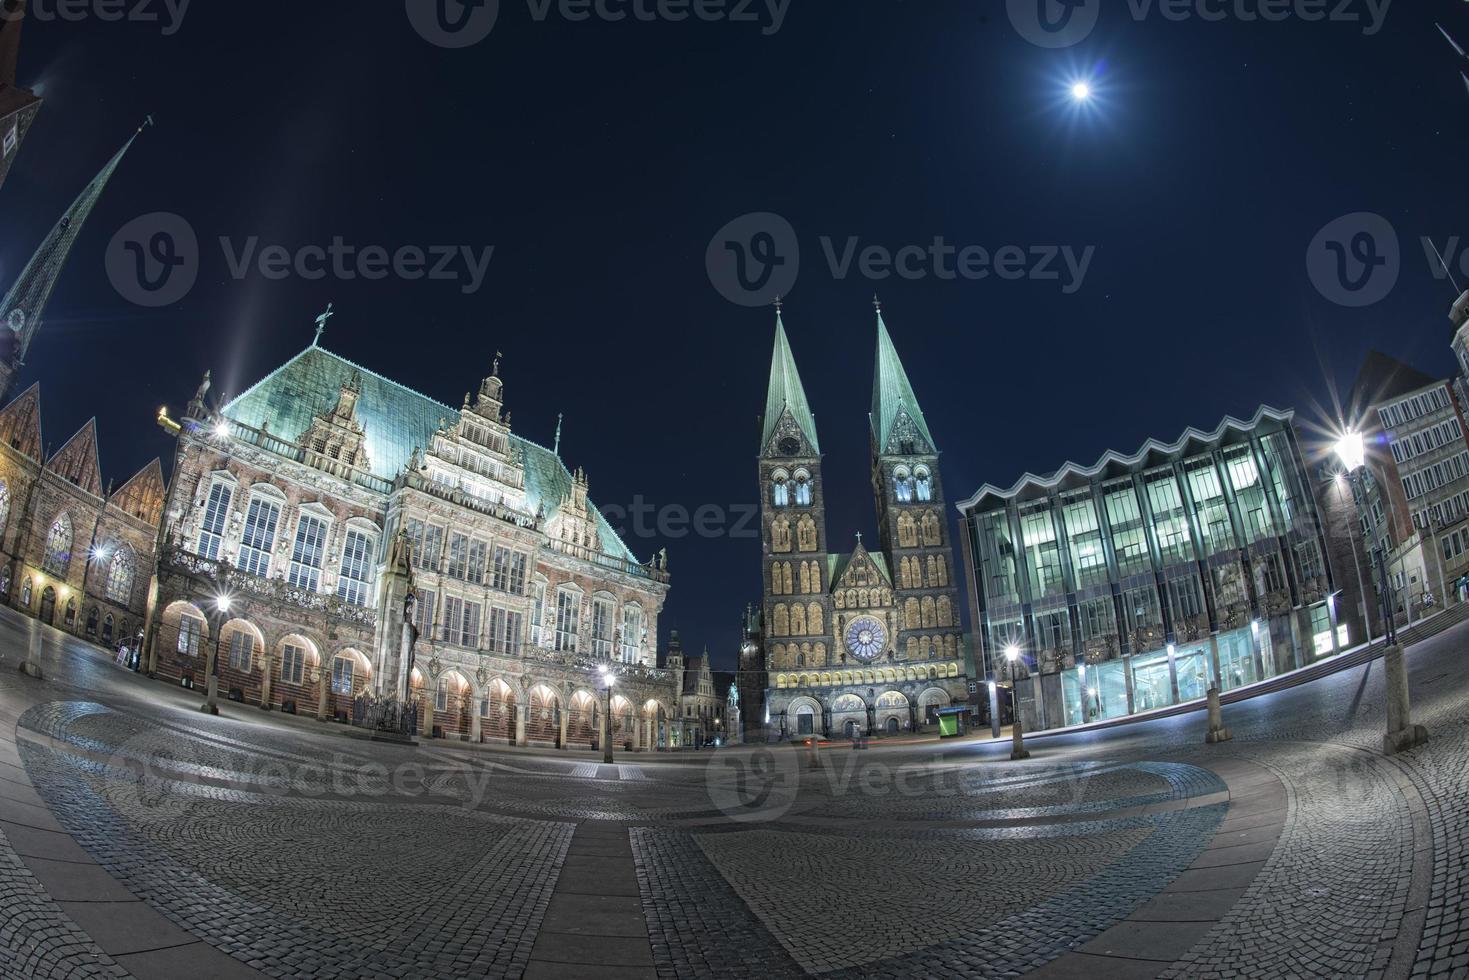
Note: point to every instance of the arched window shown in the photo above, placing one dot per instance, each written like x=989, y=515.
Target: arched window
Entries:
x=25, y=593
x=903, y=485
x=261, y=523
x=4, y=582
x=924, y=483
x=107, y=628
x=632, y=632
x=803, y=489
x=4, y=505
x=57, y=557
x=780, y=493
x=120, y=575
x=92, y=616
x=71, y=611
x=354, y=582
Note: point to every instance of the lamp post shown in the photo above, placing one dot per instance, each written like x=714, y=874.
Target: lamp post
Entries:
x=1017, y=734
x=1402, y=734
x=211, y=669
x=608, y=680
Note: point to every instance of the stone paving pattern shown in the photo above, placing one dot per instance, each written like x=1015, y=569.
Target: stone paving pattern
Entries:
x=264, y=837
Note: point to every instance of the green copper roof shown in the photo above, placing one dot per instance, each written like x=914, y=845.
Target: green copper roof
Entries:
x=891, y=392
x=786, y=392
x=396, y=420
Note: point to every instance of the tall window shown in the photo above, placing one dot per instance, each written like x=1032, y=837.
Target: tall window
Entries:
x=458, y=564
x=803, y=490
x=903, y=485
x=120, y=575
x=216, y=513
x=428, y=541
x=4, y=505
x=1129, y=539
x=191, y=633
x=424, y=615
x=1249, y=492
x=602, y=628
x=923, y=483
x=57, y=558
x=1213, y=509
x=306, y=556
x=355, y=582
x=538, y=612
x=505, y=631
x=478, y=553
x=1084, y=535
x=780, y=490
x=1170, y=519
x=261, y=521
x=519, y=565
x=1043, y=556
x=343, y=674
x=500, y=566
x=449, y=628
x=242, y=651
x=566, y=616
x=632, y=632
x=293, y=664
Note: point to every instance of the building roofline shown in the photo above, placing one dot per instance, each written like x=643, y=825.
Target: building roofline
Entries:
x=1111, y=457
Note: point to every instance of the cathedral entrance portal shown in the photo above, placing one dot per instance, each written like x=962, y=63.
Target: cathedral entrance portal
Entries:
x=805, y=722
x=892, y=726
x=48, y=604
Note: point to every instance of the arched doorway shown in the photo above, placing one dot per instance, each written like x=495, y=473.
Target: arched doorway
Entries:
x=622, y=722
x=351, y=673
x=892, y=726
x=805, y=718
x=497, y=713
x=849, y=715
x=451, y=704
x=581, y=725
x=892, y=710
x=929, y=702
x=543, y=717
x=48, y=604
x=657, y=720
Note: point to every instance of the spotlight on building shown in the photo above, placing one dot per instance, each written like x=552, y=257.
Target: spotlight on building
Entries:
x=222, y=602
x=1351, y=449
x=222, y=429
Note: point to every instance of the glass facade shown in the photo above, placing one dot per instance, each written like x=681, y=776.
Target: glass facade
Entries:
x=1144, y=581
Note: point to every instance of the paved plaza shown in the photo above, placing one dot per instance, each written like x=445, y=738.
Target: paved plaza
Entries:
x=139, y=837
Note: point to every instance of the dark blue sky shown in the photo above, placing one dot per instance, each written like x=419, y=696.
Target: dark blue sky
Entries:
x=599, y=159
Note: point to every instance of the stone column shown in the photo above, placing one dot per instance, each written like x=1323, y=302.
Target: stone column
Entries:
x=1214, y=661
x=637, y=735
x=323, y=691
x=561, y=744
x=267, y=666
x=475, y=733
x=522, y=720
x=426, y=713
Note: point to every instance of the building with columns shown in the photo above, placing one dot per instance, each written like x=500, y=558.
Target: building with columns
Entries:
x=857, y=641
x=321, y=495
x=1145, y=579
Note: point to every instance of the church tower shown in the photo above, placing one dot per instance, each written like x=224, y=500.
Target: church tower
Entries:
x=910, y=513
x=793, y=520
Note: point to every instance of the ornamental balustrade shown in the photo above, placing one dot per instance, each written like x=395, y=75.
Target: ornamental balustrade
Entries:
x=274, y=444
x=271, y=590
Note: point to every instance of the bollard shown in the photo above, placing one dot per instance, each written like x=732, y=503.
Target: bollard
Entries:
x=1217, y=731
x=31, y=666
x=211, y=702
x=1402, y=734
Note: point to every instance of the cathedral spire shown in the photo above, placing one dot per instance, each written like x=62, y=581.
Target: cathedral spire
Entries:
x=786, y=394
x=18, y=106
x=23, y=307
x=893, y=399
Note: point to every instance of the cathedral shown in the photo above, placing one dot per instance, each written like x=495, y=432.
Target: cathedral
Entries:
x=863, y=640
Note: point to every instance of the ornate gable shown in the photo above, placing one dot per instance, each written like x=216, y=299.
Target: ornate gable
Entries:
x=787, y=439
x=907, y=438
x=861, y=572
x=20, y=422
x=77, y=460
x=335, y=441
x=142, y=496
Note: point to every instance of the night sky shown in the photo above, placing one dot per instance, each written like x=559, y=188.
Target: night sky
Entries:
x=599, y=159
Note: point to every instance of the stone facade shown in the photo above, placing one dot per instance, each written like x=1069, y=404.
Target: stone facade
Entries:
x=75, y=555
x=322, y=497
x=855, y=642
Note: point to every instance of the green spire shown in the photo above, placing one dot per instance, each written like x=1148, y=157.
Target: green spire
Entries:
x=892, y=396
x=786, y=393
x=23, y=307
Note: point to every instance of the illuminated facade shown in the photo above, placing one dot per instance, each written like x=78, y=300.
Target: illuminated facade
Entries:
x=301, y=498
x=1143, y=580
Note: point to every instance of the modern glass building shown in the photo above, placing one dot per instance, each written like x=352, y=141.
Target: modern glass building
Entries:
x=1139, y=582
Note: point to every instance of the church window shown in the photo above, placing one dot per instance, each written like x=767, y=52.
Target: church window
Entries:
x=781, y=625
x=806, y=533
x=907, y=531
x=923, y=484
x=57, y=558
x=814, y=621
x=307, y=555
x=107, y=628
x=780, y=495
x=92, y=616
x=780, y=535
x=911, y=615
x=25, y=593
x=803, y=489
x=4, y=505
x=805, y=578
x=216, y=512
x=945, y=611
x=120, y=575
x=567, y=602
x=798, y=620
x=258, y=542
x=929, y=616
x=355, y=581
x=903, y=485
x=912, y=648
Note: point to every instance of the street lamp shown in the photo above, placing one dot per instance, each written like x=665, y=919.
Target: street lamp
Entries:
x=222, y=603
x=1017, y=735
x=608, y=680
x=1402, y=734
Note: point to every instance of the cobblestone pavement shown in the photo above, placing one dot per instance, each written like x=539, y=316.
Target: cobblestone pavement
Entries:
x=1297, y=849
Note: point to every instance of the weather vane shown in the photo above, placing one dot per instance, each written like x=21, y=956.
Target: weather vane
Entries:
x=321, y=323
